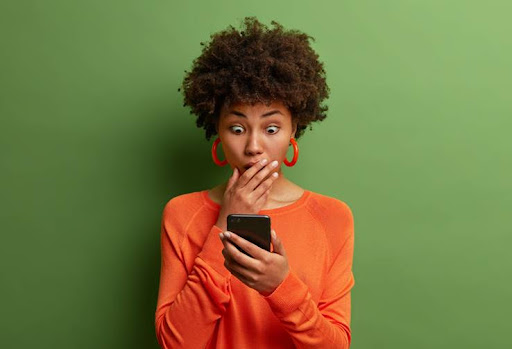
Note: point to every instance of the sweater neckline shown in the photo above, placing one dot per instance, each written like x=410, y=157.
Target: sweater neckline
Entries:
x=305, y=195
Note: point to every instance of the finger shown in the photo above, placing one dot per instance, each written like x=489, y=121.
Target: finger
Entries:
x=265, y=185
x=223, y=240
x=277, y=244
x=241, y=277
x=248, y=174
x=227, y=247
x=258, y=178
x=232, y=180
x=234, y=255
x=237, y=268
x=225, y=253
x=223, y=237
x=255, y=251
x=262, y=200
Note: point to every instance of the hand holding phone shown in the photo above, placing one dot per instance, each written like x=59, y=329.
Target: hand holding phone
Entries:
x=272, y=268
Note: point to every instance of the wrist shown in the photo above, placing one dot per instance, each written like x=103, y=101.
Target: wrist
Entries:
x=222, y=220
x=221, y=223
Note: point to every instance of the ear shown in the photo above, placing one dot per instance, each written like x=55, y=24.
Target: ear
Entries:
x=294, y=128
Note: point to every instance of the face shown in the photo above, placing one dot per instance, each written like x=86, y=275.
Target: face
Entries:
x=250, y=133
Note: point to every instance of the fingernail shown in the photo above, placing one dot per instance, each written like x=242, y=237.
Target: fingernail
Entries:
x=227, y=234
x=274, y=163
x=264, y=161
x=275, y=174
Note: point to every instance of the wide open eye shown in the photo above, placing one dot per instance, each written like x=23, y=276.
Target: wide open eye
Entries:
x=273, y=129
x=237, y=129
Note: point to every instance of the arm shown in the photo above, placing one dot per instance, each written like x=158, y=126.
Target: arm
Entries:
x=201, y=295
x=328, y=324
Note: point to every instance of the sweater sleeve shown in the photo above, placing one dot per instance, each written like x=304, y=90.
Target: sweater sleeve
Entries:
x=326, y=325
x=201, y=294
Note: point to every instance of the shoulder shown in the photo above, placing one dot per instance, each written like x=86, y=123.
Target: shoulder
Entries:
x=327, y=206
x=336, y=218
x=183, y=207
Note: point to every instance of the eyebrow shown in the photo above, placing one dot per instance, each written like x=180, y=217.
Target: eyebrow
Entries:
x=272, y=112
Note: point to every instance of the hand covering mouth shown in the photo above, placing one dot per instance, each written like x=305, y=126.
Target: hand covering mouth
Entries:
x=249, y=165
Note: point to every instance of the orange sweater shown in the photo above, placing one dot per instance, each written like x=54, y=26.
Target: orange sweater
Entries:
x=201, y=305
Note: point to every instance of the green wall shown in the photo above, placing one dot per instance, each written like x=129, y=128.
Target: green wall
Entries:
x=94, y=141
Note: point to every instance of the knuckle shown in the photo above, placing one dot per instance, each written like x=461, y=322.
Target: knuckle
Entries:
x=250, y=172
x=269, y=181
x=260, y=175
x=235, y=258
x=259, y=269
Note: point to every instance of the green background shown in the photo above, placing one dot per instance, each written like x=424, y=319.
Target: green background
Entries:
x=94, y=141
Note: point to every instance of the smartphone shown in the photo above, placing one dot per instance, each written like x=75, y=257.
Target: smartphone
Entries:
x=252, y=227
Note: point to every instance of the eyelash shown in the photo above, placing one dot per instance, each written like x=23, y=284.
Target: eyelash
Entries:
x=277, y=129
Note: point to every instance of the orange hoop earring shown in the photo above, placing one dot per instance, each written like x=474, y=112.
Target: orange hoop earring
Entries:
x=295, y=154
x=214, y=154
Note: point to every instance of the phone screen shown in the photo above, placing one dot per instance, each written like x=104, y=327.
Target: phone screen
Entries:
x=252, y=227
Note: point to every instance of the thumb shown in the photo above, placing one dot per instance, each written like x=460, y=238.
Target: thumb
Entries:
x=276, y=243
x=233, y=178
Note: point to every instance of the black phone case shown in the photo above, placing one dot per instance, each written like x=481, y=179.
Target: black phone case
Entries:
x=252, y=227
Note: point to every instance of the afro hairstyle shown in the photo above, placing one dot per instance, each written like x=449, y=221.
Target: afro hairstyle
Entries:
x=256, y=65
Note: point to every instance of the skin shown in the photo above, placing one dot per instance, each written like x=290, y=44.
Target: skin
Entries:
x=247, y=135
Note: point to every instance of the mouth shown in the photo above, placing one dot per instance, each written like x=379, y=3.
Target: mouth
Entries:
x=249, y=165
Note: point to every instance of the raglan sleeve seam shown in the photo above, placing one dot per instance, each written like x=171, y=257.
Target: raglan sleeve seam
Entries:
x=185, y=231
x=169, y=218
x=324, y=231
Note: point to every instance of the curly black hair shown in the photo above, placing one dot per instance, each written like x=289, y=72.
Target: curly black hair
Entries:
x=255, y=65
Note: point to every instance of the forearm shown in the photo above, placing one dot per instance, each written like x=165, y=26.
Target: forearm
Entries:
x=201, y=295
x=293, y=305
x=204, y=299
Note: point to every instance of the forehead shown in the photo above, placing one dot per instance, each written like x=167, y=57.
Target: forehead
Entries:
x=256, y=110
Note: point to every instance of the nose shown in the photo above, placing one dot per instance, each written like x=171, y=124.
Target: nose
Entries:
x=254, y=145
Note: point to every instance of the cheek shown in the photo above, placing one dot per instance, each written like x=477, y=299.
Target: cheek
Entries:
x=280, y=150
x=231, y=147
x=226, y=149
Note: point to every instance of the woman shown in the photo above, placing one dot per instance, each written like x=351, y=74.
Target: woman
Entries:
x=258, y=90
